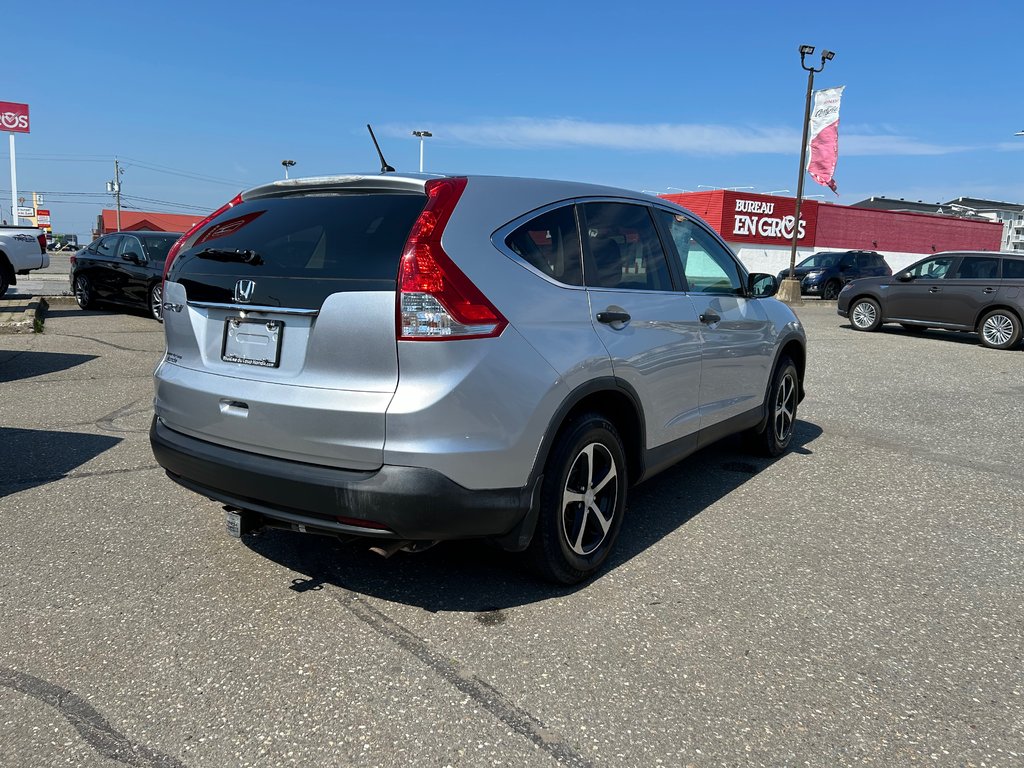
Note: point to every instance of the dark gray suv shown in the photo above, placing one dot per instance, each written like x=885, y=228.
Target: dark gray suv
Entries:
x=981, y=292
x=410, y=358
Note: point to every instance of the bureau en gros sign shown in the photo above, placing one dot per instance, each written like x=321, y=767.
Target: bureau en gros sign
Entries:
x=756, y=218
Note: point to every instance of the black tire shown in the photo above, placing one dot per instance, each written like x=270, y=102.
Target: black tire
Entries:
x=5, y=279
x=865, y=314
x=84, y=296
x=999, y=329
x=156, y=302
x=831, y=290
x=911, y=328
x=783, y=398
x=574, y=536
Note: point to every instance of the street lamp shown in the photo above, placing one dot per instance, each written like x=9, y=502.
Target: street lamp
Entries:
x=777, y=192
x=677, y=189
x=287, y=164
x=789, y=291
x=705, y=186
x=421, y=135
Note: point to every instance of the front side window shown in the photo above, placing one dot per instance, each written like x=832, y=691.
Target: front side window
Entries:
x=128, y=245
x=551, y=243
x=707, y=266
x=933, y=269
x=976, y=268
x=107, y=246
x=624, y=248
x=157, y=246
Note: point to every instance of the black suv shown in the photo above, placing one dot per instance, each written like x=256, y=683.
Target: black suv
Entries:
x=825, y=273
x=981, y=292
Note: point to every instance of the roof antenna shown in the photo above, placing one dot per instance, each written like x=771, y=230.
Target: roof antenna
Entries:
x=384, y=167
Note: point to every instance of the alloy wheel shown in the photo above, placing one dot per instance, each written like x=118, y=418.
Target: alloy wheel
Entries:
x=997, y=330
x=864, y=315
x=785, y=408
x=156, y=301
x=82, y=292
x=589, y=499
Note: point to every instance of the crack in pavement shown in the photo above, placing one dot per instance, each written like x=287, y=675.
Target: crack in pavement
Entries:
x=90, y=724
x=106, y=343
x=42, y=479
x=486, y=695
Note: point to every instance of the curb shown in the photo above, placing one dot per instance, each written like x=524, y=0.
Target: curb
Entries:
x=20, y=315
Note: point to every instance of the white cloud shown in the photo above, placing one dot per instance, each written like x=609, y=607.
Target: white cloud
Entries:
x=681, y=138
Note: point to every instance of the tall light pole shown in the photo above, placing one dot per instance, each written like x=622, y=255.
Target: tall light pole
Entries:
x=287, y=164
x=789, y=291
x=421, y=135
x=114, y=188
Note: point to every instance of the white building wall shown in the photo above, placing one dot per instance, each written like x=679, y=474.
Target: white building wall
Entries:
x=773, y=259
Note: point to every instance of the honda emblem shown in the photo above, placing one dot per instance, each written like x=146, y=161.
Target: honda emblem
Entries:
x=244, y=290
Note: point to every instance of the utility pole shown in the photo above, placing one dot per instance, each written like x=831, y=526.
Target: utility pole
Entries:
x=115, y=188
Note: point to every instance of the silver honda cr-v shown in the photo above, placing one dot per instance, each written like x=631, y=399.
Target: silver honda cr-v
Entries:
x=413, y=358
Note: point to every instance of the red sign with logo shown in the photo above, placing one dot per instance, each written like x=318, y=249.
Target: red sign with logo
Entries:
x=750, y=218
x=13, y=117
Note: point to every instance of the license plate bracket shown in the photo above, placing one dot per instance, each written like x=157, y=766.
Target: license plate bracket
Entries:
x=252, y=342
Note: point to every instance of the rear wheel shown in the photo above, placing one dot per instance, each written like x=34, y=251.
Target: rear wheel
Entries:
x=5, y=280
x=783, y=398
x=583, y=501
x=1000, y=329
x=831, y=290
x=84, y=295
x=865, y=314
x=156, y=302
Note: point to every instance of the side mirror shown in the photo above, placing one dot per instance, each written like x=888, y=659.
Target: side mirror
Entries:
x=761, y=284
x=131, y=256
x=905, y=277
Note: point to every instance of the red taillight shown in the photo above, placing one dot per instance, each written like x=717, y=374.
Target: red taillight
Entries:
x=41, y=237
x=436, y=301
x=180, y=242
x=74, y=260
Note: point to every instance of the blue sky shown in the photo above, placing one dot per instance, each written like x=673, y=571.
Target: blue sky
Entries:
x=200, y=100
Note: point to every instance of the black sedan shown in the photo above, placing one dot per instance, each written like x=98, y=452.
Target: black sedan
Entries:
x=123, y=268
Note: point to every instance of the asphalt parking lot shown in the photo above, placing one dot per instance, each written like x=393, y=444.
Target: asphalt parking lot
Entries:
x=858, y=601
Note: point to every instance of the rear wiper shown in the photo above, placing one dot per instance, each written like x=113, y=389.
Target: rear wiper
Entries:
x=220, y=254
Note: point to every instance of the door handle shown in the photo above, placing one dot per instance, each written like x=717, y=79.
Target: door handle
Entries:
x=613, y=317
x=709, y=318
x=989, y=290
x=934, y=289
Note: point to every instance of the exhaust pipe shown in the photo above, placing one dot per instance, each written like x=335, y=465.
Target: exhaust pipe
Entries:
x=386, y=550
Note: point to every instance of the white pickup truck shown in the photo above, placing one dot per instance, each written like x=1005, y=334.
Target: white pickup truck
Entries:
x=21, y=249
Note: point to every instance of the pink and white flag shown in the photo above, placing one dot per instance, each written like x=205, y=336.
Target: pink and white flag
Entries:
x=823, y=149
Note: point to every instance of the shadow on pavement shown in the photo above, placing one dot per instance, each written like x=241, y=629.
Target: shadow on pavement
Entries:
x=24, y=365
x=33, y=457
x=475, y=576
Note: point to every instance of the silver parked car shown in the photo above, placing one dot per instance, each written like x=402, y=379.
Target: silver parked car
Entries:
x=413, y=358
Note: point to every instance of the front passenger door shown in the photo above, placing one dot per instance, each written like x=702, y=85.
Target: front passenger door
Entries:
x=738, y=341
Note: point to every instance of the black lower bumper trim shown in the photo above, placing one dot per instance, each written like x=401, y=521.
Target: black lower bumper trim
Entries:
x=412, y=502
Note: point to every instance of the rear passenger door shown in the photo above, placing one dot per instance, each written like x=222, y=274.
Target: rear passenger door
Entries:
x=102, y=271
x=969, y=287
x=646, y=322
x=738, y=341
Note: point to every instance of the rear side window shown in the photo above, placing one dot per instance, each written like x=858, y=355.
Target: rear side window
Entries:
x=1013, y=269
x=349, y=236
x=625, y=248
x=976, y=268
x=551, y=243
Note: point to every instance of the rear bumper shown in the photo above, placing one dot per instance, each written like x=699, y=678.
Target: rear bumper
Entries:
x=410, y=502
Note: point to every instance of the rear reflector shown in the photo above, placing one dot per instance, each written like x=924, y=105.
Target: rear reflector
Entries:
x=436, y=301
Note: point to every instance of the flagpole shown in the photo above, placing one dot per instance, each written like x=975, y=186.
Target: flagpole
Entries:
x=789, y=291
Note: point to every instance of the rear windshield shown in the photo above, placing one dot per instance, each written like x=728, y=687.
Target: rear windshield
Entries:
x=346, y=236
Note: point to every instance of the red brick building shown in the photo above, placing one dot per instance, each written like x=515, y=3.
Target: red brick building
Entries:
x=134, y=221
x=760, y=229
